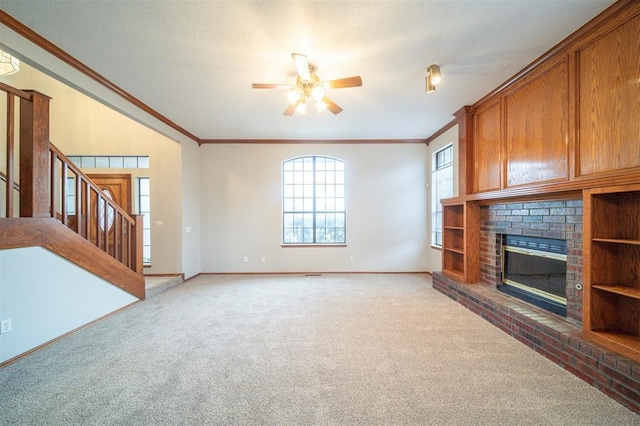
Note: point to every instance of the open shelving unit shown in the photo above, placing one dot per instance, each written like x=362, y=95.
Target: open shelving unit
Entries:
x=612, y=268
x=460, y=233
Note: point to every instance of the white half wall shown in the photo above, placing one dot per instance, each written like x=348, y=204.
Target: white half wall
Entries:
x=241, y=204
x=46, y=296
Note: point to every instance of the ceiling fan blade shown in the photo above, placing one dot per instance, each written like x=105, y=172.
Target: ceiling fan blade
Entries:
x=270, y=86
x=302, y=66
x=341, y=83
x=332, y=106
x=290, y=110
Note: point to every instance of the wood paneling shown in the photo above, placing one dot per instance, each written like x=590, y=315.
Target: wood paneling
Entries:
x=465, y=119
x=487, y=149
x=535, y=125
x=609, y=102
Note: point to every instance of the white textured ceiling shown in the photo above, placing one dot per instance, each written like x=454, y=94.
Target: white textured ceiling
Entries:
x=193, y=61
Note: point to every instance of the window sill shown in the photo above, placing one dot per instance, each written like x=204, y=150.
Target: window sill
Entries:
x=311, y=245
x=436, y=247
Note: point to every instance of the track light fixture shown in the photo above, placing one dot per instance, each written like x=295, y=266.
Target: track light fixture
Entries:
x=433, y=78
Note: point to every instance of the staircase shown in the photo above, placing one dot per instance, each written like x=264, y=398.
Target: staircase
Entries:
x=48, y=202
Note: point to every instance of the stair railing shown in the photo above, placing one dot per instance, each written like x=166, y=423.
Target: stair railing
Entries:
x=50, y=185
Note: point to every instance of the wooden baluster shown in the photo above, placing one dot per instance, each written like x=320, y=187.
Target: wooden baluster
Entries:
x=63, y=193
x=52, y=184
x=116, y=227
x=10, y=148
x=79, y=216
x=34, y=156
x=88, y=209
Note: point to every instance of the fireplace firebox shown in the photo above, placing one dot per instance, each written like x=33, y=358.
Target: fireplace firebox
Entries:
x=534, y=269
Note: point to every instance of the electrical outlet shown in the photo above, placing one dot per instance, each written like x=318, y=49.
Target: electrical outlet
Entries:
x=5, y=326
x=246, y=259
x=263, y=259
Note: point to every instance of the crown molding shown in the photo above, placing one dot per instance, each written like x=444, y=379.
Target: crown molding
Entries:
x=311, y=141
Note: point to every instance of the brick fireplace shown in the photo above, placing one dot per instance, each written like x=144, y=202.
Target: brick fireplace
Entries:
x=556, y=337
x=561, y=219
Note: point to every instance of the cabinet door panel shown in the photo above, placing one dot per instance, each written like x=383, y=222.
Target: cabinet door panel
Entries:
x=487, y=150
x=536, y=120
x=609, y=91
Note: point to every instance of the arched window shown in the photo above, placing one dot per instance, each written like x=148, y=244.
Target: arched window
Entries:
x=314, y=201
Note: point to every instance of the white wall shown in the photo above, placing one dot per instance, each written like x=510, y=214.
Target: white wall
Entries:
x=191, y=210
x=48, y=300
x=434, y=255
x=242, y=209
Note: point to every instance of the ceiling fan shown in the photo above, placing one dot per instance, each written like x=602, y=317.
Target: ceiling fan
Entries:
x=309, y=86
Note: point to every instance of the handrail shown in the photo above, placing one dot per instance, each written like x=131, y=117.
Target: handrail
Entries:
x=17, y=92
x=93, y=186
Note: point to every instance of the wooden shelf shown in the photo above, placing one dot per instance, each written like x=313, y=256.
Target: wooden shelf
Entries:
x=612, y=267
x=616, y=241
x=621, y=290
x=455, y=250
x=624, y=338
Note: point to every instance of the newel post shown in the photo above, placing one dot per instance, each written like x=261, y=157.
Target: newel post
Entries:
x=35, y=190
x=137, y=244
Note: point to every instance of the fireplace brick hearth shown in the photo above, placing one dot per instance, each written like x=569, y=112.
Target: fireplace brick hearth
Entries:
x=556, y=337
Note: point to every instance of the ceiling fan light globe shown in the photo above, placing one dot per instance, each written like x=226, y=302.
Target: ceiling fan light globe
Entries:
x=301, y=107
x=321, y=105
x=293, y=97
x=317, y=93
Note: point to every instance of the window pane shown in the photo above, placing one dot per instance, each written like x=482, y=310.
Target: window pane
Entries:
x=144, y=203
x=288, y=190
x=143, y=162
x=308, y=204
x=144, y=186
x=130, y=162
x=102, y=162
x=116, y=162
x=88, y=162
x=288, y=204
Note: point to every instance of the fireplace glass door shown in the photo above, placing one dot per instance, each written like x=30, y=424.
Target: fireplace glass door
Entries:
x=535, y=270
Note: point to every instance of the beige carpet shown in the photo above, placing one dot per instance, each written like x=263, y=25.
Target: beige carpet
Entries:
x=284, y=350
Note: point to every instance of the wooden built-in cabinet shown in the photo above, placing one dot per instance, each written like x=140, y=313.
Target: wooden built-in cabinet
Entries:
x=460, y=233
x=611, y=273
